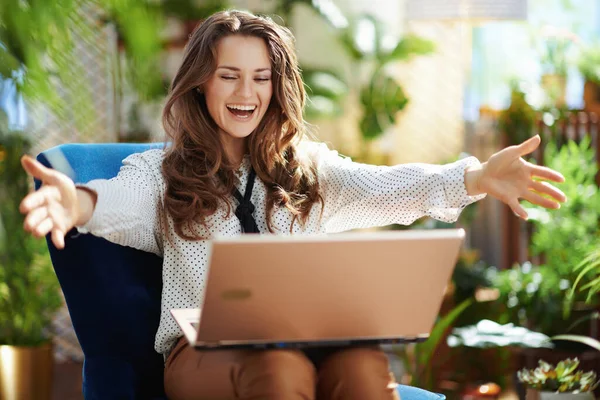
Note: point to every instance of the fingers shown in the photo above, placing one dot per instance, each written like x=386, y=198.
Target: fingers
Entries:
x=529, y=145
x=47, y=226
x=546, y=188
x=518, y=209
x=535, y=198
x=546, y=173
x=37, y=170
x=58, y=238
x=45, y=219
x=38, y=198
x=34, y=218
x=43, y=228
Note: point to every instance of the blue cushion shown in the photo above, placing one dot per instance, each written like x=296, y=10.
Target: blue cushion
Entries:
x=414, y=393
x=113, y=292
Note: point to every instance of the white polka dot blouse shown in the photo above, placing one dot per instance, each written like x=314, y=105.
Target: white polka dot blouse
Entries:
x=355, y=196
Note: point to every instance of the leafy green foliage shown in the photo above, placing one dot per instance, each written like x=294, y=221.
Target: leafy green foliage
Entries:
x=326, y=91
x=381, y=96
x=588, y=269
x=38, y=49
x=29, y=290
x=381, y=99
x=589, y=63
x=562, y=378
x=419, y=358
x=518, y=120
x=539, y=297
x=577, y=219
x=533, y=297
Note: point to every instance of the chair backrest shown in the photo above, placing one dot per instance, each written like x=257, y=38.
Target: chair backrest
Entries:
x=113, y=292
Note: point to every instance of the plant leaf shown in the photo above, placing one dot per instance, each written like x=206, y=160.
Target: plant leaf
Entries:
x=427, y=348
x=409, y=46
x=593, y=343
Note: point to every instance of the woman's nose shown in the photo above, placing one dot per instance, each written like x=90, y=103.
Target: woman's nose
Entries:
x=244, y=88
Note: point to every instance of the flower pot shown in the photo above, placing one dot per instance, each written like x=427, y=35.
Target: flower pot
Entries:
x=533, y=394
x=591, y=96
x=555, y=87
x=26, y=372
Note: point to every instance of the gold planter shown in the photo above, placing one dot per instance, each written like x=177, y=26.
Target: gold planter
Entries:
x=26, y=372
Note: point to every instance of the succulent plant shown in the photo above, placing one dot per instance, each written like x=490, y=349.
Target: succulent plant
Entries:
x=565, y=377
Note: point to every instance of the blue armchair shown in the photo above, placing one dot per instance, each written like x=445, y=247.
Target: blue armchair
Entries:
x=113, y=293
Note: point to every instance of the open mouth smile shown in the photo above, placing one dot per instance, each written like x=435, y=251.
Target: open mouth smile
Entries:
x=240, y=111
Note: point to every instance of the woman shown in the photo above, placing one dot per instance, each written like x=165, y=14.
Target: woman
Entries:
x=234, y=112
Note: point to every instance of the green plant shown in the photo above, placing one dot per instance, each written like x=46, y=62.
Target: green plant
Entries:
x=588, y=270
x=29, y=290
x=38, y=49
x=362, y=38
x=531, y=296
x=490, y=334
x=586, y=340
x=518, y=120
x=326, y=91
x=562, y=378
x=576, y=220
x=554, y=50
x=419, y=358
x=589, y=63
x=381, y=96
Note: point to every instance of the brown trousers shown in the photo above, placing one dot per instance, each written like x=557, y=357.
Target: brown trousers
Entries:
x=340, y=373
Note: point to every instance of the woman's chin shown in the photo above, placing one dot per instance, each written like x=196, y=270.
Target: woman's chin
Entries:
x=239, y=133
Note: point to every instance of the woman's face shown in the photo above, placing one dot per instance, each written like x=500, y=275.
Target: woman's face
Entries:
x=239, y=92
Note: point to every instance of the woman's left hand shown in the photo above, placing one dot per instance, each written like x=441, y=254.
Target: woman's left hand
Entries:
x=508, y=177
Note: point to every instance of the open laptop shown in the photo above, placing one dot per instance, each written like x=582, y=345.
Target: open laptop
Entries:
x=268, y=291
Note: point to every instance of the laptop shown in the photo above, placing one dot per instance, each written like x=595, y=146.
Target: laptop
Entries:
x=367, y=288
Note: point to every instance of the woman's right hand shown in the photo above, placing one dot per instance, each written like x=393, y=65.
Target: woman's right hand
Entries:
x=54, y=207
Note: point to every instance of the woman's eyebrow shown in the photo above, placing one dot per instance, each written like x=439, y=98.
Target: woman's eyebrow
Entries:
x=237, y=69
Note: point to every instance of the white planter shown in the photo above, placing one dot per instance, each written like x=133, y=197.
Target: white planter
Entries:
x=536, y=395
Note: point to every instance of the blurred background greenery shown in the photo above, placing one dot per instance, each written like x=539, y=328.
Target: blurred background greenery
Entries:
x=384, y=87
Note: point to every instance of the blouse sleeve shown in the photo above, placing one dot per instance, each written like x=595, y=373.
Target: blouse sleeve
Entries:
x=127, y=206
x=361, y=196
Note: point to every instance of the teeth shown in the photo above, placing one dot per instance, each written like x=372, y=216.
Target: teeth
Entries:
x=241, y=107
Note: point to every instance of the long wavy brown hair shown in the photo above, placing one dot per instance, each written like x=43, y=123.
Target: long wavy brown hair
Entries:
x=199, y=176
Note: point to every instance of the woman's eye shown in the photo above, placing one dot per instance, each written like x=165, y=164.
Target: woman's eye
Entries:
x=228, y=77
x=263, y=79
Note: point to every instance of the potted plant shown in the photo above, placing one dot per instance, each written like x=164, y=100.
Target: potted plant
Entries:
x=29, y=290
x=555, y=48
x=561, y=382
x=589, y=67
